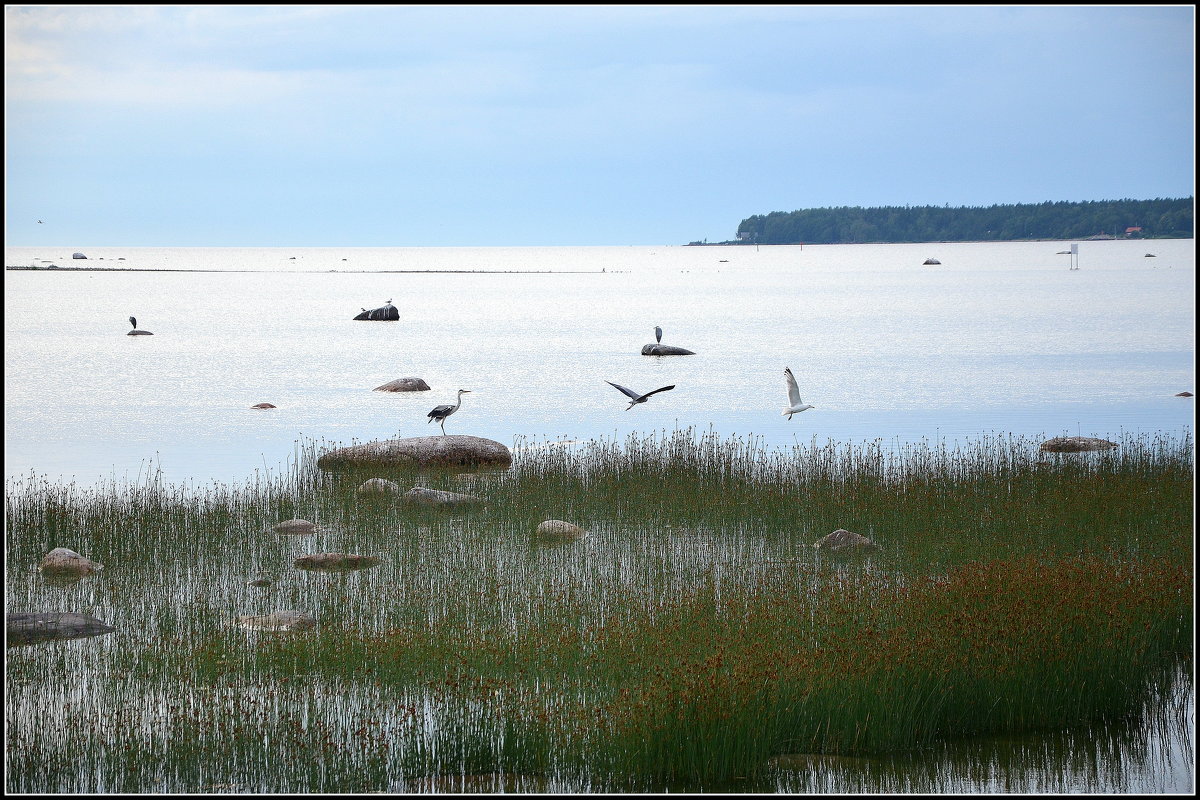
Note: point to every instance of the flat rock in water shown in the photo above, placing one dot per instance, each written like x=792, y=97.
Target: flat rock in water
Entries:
x=1075, y=444
x=335, y=562
x=664, y=350
x=62, y=561
x=844, y=540
x=279, y=621
x=262, y=405
x=559, y=530
x=377, y=486
x=22, y=628
x=139, y=333
x=1184, y=394
x=421, y=451
x=404, y=385
x=438, y=497
x=295, y=526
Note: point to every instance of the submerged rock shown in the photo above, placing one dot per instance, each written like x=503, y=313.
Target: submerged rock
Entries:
x=844, y=540
x=422, y=451
x=665, y=350
x=438, y=497
x=404, y=385
x=62, y=561
x=22, y=628
x=559, y=530
x=295, y=526
x=335, y=562
x=279, y=621
x=931, y=262
x=262, y=405
x=1075, y=444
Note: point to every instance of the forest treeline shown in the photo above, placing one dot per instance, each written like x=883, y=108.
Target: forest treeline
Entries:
x=1146, y=219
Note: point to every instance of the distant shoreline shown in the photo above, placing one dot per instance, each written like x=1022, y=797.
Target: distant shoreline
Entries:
x=53, y=268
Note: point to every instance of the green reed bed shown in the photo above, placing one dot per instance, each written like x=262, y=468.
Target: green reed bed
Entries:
x=694, y=634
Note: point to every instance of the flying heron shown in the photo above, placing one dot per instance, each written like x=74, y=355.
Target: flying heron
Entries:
x=133, y=322
x=636, y=398
x=658, y=334
x=441, y=412
x=795, y=404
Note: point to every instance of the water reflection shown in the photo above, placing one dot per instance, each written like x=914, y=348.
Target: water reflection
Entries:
x=1153, y=755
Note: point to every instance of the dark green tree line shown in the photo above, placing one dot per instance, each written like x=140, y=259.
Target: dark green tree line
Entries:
x=1161, y=218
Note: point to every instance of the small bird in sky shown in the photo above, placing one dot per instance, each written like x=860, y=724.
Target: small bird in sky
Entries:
x=795, y=404
x=39, y=222
x=636, y=398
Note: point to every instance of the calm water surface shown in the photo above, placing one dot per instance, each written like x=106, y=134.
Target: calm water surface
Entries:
x=1001, y=338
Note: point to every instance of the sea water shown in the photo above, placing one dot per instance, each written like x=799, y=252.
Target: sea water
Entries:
x=999, y=338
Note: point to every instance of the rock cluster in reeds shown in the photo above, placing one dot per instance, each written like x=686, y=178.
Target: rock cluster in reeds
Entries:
x=22, y=628
x=378, y=486
x=843, y=540
x=439, y=497
x=295, y=526
x=279, y=621
x=335, y=561
x=557, y=529
x=62, y=561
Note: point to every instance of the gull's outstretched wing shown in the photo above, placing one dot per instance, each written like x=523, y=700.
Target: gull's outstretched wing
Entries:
x=629, y=392
x=792, y=390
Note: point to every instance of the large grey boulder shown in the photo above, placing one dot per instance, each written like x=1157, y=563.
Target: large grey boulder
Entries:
x=438, y=497
x=665, y=350
x=404, y=385
x=1075, y=444
x=421, y=451
x=23, y=628
x=63, y=561
x=386, y=312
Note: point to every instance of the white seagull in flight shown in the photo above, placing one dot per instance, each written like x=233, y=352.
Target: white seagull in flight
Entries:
x=795, y=404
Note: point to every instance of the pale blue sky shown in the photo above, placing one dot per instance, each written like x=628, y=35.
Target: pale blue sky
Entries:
x=572, y=125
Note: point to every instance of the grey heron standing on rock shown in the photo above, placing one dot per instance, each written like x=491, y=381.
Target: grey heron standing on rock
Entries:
x=795, y=404
x=441, y=412
x=634, y=397
x=658, y=334
x=133, y=322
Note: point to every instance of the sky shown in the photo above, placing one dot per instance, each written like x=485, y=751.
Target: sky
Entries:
x=461, y=125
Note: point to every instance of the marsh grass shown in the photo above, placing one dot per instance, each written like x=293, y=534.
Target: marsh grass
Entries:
x=693, y=635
